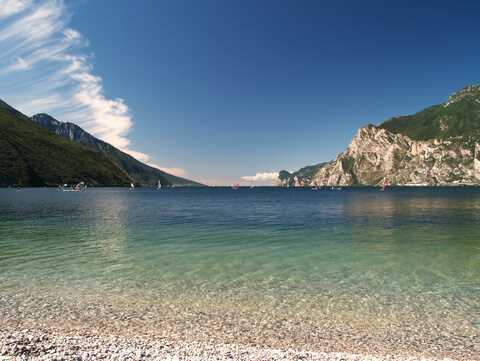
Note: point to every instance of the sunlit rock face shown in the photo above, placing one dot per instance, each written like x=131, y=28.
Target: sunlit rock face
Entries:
x=439, y=145
x=476, y=163
x=375, y=153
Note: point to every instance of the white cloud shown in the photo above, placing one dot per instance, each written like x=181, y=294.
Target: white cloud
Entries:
x=262, y=177
x=179, y=172
x=44, y=68
x=19, y=64
x=71, y=34
x=11, y=7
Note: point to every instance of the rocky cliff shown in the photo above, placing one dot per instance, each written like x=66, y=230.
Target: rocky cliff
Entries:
x=438, y=146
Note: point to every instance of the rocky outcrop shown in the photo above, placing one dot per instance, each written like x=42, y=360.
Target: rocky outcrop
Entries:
x=439, y=145
x=470, y=91
x=69, y=131
x=476, y=162
x=376, y=153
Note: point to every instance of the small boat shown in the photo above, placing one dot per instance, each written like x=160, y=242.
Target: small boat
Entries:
x=315, y=187
x=384, y=185
x=235, y=186
x=74, y=188
x=336, y=188
x=80, y=187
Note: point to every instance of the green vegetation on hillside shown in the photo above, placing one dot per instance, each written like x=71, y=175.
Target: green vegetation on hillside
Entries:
x=455, y=123
x=141, y=173
x=33, y=156
x=306, y=173
x=459, y=117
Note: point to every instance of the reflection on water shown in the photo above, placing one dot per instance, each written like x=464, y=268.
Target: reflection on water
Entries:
x=109, y=228
x=215, y=261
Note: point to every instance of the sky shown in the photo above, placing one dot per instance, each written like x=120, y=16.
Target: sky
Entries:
x=233, y=91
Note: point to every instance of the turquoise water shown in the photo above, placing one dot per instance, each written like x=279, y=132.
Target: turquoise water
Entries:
x=263, y=261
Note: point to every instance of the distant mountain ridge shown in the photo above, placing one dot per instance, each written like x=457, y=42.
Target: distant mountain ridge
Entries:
x=436, y=146
x=142, y=174
x=300, y=177
x=459, y=116
x=42, y=151
x=33, y=156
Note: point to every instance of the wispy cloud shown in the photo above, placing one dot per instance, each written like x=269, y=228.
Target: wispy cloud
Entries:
x=179, y=172
x=45, y=67
x=10, y=7
x=262, y=177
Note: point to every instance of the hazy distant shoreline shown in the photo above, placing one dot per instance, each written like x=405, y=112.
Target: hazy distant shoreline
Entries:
x=320, y=188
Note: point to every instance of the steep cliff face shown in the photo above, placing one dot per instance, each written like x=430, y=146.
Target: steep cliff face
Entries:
x=450, y=156
x=69, y=131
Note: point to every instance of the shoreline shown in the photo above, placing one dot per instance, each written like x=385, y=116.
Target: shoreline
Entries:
x=307, y=187
x=37, y=344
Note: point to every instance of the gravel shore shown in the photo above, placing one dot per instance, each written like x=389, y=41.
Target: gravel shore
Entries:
x=43, y=345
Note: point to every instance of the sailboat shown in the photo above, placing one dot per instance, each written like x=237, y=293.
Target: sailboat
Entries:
x=80, y=187
x=159, y=185
x=385, y=184
x=132, y=186
x=74, y=188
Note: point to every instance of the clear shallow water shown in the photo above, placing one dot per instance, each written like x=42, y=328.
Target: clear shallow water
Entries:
x=286, y=265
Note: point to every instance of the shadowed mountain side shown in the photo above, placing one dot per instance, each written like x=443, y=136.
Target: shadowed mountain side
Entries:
x=33, y=156
x=141, y=173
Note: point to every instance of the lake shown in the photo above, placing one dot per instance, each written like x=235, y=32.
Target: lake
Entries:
x=316, y=270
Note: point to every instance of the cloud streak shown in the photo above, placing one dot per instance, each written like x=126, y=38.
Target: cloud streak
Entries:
x=179, y=172
x=262, y=177
x=44, y=67
x=10, y=7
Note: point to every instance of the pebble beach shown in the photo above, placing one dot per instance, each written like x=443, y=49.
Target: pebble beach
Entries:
x=42, y=345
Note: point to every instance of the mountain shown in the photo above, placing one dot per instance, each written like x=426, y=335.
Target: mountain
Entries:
x=141, y=173
x=302, y=176
x=436, y=146
x=33, y=156
x=458, y=117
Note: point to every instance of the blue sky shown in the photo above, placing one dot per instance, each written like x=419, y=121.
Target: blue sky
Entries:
x=218, y=90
